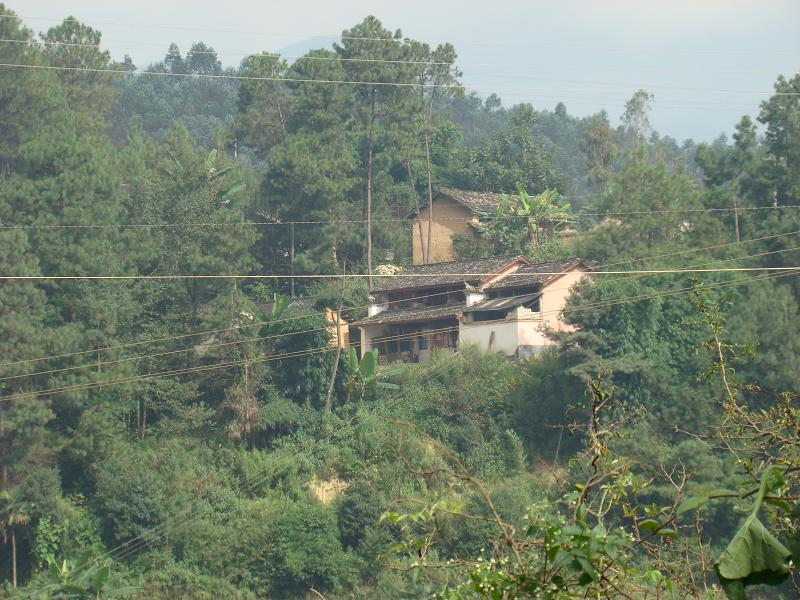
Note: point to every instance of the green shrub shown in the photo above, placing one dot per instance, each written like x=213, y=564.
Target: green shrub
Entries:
x=360, y=509
x=285, y=547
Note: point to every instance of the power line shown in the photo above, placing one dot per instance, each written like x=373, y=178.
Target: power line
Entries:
x=262, y=474
x=401, y=84
x=106, y=349
x=390, y=219
x=437, y=63
x=715, y=261
x=206, y=332
x=189, y=370
x=691, y=51
x=362, y=275
x=652, y=295
x=129, y=547
x=99, y=364
x=34, y=42
x=714, y=247
x=144, y=46
x=162, y=529
x=89, y=385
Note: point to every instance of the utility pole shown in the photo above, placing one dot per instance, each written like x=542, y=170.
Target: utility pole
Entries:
x=327, y=407
x=291, y=255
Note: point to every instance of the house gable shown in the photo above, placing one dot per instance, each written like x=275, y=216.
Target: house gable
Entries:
x=454, y=213
x=449, y=219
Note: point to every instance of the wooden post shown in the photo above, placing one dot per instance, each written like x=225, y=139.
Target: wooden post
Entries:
x=369, y=215
x=429, y=254
x=291, y=255
x=327, y=407
x=13, y=559
x=423, y=253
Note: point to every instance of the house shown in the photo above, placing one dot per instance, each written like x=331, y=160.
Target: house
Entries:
x=455, y=212
x=504, y=304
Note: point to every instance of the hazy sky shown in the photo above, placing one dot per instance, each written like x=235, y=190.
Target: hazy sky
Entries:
x=707, y=61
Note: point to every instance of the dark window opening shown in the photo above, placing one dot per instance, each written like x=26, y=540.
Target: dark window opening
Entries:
x=489, y=315
x=534, y=305
x=520, y=291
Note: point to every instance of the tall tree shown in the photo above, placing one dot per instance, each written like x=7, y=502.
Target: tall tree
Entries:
x=599, y=147
x=75, y=49
x=437, y=79
x=27, y=96
x=202, y=60
x=263, y=105
x=636, y=118
x=513, y=155
x=384, y=97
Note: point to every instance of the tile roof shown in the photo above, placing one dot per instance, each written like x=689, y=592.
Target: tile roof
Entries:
x=502, y=303
x=474, y=201
x=412, y=315
x=445, y=273
x=433, y=313
x=533, y=274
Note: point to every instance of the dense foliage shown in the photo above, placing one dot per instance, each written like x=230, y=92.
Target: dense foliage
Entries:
x=200, y=437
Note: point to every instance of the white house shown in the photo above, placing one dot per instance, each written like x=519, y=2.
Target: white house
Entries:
x=500, y=303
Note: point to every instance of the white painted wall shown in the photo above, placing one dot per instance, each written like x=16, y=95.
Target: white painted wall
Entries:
x=475, y=297
x=374, y=309
x=508, y=335
x=368, y=333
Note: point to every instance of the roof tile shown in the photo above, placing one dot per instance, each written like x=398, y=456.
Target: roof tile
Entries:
x=411, y=315
x=445, y=273
x=533, y=274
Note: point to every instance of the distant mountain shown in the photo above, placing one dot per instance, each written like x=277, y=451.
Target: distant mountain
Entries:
x=304, y=46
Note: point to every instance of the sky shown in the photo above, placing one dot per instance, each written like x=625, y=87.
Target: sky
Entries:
x=707, y=62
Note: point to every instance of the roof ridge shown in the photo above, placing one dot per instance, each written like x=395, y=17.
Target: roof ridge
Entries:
x=461, y=260
x=558, y=260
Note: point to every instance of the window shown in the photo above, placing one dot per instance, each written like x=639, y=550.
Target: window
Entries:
x=489, y=315
x=520, y=291
x=534, y=305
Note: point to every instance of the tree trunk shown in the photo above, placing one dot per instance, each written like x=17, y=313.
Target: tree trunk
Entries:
x=327, y=407
x=430, y=194
x=142, y=418
x=419, y=215
x=736, y=218
x=291, y=254
x=282, y=119
x=532, y=236
x=369, y=214
x=13, y=559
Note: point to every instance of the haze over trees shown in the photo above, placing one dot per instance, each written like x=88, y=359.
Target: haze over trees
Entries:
x=168, y=437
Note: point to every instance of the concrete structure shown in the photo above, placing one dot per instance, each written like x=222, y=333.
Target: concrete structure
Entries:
x=504, y=304
x=339, y=328
x=455, y=212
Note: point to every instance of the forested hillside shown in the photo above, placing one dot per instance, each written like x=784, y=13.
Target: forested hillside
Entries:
x=175, y=422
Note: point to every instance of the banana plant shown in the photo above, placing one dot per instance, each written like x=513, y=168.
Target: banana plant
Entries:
x=524, y=220
x=539, y=212
x=83, y=579
x=362, y=376
x=214, y=174
x=279, y=305
x=13, y=513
